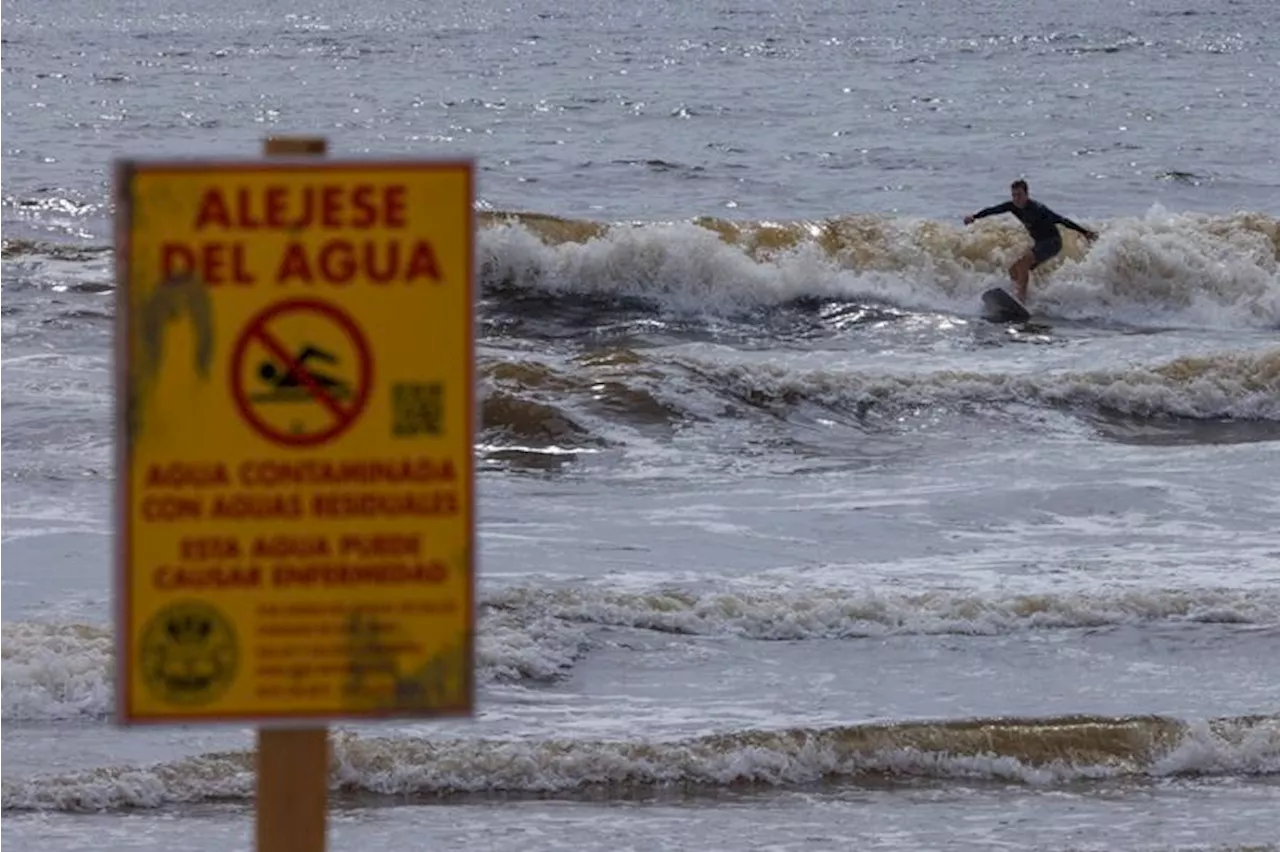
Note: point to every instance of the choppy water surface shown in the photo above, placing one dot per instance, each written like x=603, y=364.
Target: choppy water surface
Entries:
x=782, y=546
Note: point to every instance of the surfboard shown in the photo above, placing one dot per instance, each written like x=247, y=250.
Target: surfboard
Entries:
x=999, y=306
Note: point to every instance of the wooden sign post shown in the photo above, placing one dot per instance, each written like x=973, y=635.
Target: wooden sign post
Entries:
x=292, y=803
x=295, y=424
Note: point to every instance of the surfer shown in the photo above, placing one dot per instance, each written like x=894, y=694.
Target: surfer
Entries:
x=1041, y=223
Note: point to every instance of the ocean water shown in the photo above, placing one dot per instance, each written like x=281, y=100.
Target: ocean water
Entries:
x=781, y=545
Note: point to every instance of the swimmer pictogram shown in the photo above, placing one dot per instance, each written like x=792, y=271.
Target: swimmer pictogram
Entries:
x=292, y=389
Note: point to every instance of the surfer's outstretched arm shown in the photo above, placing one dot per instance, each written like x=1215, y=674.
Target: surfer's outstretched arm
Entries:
x=1007, y=207
x=1079, y=229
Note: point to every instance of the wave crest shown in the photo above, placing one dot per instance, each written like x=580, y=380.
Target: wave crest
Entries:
x=1220, y=271
x=1042, y=752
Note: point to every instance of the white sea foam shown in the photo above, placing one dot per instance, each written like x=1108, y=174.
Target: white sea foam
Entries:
x=533, y=634
x=1041, y=752
x=1244, y=386
x=1160, y=269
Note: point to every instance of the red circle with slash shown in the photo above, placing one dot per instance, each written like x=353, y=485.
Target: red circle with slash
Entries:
x=344, y=414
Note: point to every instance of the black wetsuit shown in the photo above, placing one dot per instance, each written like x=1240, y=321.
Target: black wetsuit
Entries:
x=1040, y=222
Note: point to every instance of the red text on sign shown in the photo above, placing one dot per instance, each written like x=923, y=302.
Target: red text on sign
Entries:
x=166, y=508
x=336, y=261
x=276, y=473
x=216, y=548
x=213, y=264
x=344, y=262
x=332, y=206
x=177, y=577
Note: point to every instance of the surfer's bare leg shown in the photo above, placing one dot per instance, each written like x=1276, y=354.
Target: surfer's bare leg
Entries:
x=1020, y=274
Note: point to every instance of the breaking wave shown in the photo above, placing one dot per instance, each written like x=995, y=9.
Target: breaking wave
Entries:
x=1041, y=752
x=55, y=671
x=589, y=402
x=1163, y=268
x=1242, y=386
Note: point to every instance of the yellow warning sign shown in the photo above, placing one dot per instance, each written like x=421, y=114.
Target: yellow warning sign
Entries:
x=296, y=410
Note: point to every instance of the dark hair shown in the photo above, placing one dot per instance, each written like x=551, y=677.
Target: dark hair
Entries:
x=1019, y=184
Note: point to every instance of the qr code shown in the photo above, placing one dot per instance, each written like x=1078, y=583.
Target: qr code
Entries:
x=418, y=408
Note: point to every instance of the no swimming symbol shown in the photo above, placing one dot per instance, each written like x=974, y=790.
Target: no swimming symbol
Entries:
x=293, y=390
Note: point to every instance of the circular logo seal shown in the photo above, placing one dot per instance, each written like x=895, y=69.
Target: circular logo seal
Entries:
x=189, y=653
